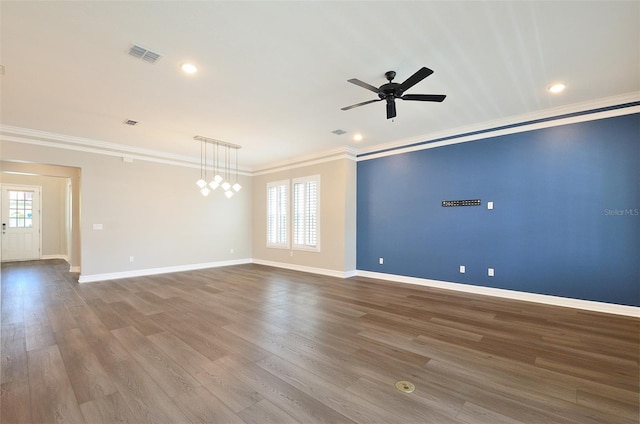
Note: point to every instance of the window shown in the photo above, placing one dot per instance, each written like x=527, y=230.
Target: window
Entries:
x=277, y=217
x=305, y=213
x=20, y=209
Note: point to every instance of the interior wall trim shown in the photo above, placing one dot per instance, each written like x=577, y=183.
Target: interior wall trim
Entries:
x=588, y=305
x=336, y=154
x=609, y=308
x=582, y=112
x=91, y=278
x=60, y=141
x=579, y=112
x=58, y=256
x=309, y=269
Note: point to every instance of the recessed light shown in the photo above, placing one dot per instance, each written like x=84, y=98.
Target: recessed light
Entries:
x=130, y=122
x=189, y=68
x=357, y=137
x=556, y=88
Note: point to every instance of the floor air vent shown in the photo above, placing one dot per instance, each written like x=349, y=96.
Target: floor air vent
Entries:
x=144, y=54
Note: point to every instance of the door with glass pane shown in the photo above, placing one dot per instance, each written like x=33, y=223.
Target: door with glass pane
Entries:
x=20, y=223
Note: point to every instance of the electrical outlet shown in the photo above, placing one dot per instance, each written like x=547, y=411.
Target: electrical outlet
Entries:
x=490, y=272
x=381, y=261
x=463, y=269
x=489, y=205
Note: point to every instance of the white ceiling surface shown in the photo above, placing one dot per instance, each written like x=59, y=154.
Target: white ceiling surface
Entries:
x=273, y=75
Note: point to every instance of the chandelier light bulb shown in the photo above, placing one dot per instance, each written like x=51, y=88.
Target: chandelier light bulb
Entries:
x=205, y=191
x=218, y=178
x=237, y=187
x=201, y=183
x=225, y=186
x=214, y=184
x=228, y=193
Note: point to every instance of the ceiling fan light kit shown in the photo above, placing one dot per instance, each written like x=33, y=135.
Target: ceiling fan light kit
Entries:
x=391, y=91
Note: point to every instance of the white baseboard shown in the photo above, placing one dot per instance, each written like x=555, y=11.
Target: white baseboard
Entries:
x=74, y=269
x=154, y=271
x=45, y=257
x=609, y=308
x=302, y=268
x=588, y=305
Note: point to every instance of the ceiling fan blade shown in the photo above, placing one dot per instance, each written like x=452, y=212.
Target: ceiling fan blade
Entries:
x=420, y=74
x=391, y=109
x=364, y=85
x=424, y=97
x=361, y=104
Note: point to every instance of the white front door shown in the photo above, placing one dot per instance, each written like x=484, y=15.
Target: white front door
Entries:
x=20, y=223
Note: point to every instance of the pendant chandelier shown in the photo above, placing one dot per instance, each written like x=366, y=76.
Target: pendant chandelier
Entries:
x=221, y=174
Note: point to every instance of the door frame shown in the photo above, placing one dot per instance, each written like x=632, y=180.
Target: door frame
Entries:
x=20, y=187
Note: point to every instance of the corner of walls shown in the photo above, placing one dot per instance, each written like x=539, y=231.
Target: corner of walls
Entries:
x=337, y=216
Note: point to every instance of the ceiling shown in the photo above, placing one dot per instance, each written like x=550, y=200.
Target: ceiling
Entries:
x=273, y=75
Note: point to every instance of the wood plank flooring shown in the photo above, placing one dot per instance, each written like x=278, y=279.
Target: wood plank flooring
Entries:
x=254, y=344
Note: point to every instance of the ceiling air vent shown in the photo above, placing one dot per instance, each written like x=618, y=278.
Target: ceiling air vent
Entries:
x=144, y=54
x=130, y=122
x=339, y=132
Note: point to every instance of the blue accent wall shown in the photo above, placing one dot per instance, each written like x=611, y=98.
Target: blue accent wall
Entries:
x=566, y=220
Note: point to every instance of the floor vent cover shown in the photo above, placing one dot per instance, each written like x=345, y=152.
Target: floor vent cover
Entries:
x=405, y=386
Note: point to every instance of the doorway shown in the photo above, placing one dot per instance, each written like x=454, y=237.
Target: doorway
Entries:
x=21, y=222
x=59, y=206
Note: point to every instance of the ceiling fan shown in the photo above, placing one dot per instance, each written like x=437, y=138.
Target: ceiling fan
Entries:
x=392, y=91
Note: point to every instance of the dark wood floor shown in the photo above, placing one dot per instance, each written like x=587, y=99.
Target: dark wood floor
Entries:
x=253, y=344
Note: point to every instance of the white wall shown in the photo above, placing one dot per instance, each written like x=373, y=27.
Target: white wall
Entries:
x=148, y=210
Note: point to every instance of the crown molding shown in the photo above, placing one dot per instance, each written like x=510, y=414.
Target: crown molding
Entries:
x=81, y=144
x=69, y=141
x=344, y=152
x=512, y=124
x=518, y=123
